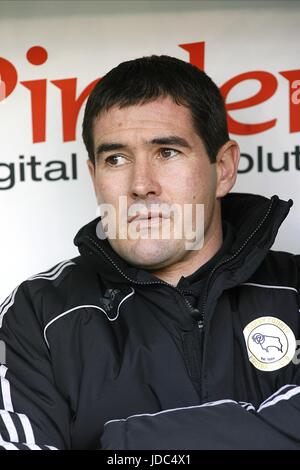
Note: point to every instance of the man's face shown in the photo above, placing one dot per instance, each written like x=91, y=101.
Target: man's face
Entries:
x=151, y=154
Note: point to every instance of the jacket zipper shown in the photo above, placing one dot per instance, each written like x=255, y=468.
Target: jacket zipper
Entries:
x=144, y=283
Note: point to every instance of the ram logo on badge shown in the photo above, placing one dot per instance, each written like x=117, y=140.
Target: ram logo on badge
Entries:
x=270, y=342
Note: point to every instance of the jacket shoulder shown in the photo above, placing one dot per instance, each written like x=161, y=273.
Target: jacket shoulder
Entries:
x=47, y=292
x=279, y=268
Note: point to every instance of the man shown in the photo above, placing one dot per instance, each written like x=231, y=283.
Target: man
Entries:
x=147, y=341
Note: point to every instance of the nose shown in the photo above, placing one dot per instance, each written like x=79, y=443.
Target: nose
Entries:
x=144, y=180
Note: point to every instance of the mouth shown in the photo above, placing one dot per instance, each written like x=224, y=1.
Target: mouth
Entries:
x=148, y=217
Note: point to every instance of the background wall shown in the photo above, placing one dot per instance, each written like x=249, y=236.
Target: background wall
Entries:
x=45, y=192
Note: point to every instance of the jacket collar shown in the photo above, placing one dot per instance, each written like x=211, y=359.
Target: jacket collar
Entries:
x=255, y=220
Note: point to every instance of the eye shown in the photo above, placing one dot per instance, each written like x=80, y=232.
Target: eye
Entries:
x=168, y=153
x=115, y=160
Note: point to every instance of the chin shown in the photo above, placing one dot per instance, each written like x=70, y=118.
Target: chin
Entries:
x=150, y=254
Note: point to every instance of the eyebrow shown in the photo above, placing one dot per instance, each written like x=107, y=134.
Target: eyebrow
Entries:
x=170, y=140
x=109, y=147
x=163, y=140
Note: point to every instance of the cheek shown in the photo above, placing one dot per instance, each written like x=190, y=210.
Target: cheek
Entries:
x=200, y=187
x=191, y=186
x=105, y=190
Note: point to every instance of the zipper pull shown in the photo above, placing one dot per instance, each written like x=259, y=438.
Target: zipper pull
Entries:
x=196, y=315
x=195, y=312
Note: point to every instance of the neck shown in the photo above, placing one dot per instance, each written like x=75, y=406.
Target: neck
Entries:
x=193, y=260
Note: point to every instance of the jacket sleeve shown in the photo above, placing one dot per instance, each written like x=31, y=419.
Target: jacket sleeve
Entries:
x=33, y=414
x=223, y=425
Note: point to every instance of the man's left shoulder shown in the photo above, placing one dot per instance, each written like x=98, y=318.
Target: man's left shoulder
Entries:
x=279, y=268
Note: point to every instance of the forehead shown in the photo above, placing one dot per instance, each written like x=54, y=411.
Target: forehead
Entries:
x=162, y=114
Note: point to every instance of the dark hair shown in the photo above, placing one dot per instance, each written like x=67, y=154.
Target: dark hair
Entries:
x=145, y=79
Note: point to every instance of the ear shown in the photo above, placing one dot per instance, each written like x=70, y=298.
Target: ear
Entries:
x=227, y=162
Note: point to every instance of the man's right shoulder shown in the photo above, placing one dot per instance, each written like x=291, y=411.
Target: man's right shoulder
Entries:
x=53, y=277
x=50, y=290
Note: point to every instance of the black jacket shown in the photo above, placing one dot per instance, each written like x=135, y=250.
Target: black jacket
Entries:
x=100, y=354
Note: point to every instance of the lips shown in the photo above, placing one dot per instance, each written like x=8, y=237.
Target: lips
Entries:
x=151, y=216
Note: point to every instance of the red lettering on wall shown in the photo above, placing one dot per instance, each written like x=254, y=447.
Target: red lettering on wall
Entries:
x=293, y=76
x=71, y=105
x=196, y=51
x=37, y=55
x=38, y=92
x=8, y=75
x=268, y=86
